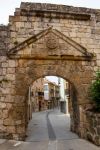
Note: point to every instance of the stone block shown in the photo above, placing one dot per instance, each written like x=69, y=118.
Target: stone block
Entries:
x=4, y=64
x=13, y=34
x=2, y=105
x=1, y=122
x=5, y=113
x=9, y=99
x=73, y=34
x=3, y=129
x=20, y=24
x=21, y=39
x=23, y=18
x=6, y=90
x=18, y=122
x=10, y=77
x=2, y=58
x=9, y=106
x=1, y=71
x=97, y=140
x=21, y=129
x=4, y=71
x=98, y=63
x=12, y=63
x=8, y=122
x=11, y=70
x=28, y=25
x=2, y=99
x=11, y=129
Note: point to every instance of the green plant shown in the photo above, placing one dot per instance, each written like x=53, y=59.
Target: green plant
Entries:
x=95, y=91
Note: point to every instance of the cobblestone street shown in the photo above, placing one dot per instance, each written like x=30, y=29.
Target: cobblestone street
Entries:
x=49, y=130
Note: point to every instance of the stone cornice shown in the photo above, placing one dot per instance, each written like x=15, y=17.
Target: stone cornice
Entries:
x=28, y=6
x=53, y=57
x=54, y=11
x=56, y=14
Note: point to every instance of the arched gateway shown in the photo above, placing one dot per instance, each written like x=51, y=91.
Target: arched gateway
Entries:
x=41, y=51
x=51, y=53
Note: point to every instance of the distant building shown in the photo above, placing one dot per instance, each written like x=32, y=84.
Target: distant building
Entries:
x=37, y=95
x=51, y=93
x=64, y=94
x=42, y=95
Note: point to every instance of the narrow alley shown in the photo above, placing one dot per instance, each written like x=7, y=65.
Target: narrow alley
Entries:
x=50, y=125
x=49, y=130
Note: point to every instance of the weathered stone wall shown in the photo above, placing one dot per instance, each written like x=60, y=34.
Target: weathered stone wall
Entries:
x=93, y=127
x=7, y=85
x=79, y=24
x=4, y=39
x=7, y=91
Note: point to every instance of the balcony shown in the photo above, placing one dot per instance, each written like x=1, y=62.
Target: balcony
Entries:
x=40, y=93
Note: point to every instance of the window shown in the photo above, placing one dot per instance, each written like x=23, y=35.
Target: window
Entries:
x=66, y=91
x=45, y=87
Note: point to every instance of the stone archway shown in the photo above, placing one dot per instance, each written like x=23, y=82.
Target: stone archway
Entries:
x=50, y=53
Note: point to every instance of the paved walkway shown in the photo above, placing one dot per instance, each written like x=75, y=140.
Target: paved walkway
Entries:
x=49, y=125
x=49, y=130
x=37, y=129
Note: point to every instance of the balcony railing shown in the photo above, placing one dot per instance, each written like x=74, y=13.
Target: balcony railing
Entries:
x=40, y=93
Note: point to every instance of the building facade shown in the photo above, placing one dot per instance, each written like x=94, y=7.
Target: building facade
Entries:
x=42, y=94
x=51, y=93
x=37, y=95
x=64, y=95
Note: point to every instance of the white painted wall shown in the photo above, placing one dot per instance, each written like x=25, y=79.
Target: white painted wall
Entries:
x=46, y=93
x=62, y=90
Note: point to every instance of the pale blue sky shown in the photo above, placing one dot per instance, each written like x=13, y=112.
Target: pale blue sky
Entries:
x=52, y=79
x=7, y=7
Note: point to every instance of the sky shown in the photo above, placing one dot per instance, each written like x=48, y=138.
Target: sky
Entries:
x=7, y=7
x=52, y=79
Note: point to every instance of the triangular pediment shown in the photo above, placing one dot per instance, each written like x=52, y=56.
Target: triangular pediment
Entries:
x=49, y=43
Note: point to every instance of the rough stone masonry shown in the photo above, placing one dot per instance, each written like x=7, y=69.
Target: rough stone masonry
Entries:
x=48, y=39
